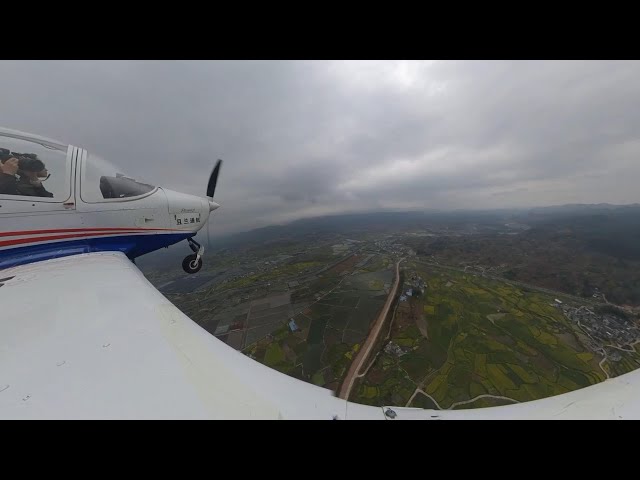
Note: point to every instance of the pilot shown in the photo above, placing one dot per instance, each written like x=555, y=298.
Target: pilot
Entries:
x=8, y=180
x=32, y=173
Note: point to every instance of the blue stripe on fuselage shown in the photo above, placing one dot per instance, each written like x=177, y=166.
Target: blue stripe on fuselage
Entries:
x=131, y=245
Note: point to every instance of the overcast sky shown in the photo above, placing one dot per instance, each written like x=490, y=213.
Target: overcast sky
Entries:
x=309, y=138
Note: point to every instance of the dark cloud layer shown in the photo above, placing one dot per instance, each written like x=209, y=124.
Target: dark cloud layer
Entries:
x=309, y=138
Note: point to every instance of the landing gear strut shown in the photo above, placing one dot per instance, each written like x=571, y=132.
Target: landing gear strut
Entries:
x=193, y=263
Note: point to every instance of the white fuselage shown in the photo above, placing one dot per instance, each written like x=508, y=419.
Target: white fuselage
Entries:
x=37, y=228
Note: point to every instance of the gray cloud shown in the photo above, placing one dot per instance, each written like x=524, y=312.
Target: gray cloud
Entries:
x=310, y=138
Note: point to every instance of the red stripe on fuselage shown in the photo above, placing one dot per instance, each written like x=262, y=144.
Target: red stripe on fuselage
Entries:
x=70, y=230
x=20, y=241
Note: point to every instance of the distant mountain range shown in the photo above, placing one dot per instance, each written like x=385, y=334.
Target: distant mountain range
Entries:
x=389, y=221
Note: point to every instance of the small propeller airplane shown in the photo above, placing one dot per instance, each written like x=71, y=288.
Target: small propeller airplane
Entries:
x=84, y=335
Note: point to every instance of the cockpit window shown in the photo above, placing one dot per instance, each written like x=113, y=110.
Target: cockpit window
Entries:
x=31, y=169
x=102, y=181
x=122, y=187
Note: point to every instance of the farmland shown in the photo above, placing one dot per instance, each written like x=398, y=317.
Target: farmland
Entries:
x=469, y=342
x=341, y=304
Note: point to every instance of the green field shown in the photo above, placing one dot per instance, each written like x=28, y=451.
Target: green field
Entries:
x=332, y=328
x=485, y=338
x=281, y=271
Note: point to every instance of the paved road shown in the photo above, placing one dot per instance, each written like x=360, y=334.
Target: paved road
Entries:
x=363, y=353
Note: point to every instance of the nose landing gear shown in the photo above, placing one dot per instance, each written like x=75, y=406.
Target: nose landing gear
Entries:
x=193, y=263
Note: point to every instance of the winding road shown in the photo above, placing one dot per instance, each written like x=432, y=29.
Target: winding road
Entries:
x=455, y=404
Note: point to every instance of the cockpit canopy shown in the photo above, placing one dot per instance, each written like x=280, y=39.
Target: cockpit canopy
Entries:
x=102, y=181
x=32, y=167
x=40, y=169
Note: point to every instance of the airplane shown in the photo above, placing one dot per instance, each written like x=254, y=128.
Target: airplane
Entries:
x=84, y=335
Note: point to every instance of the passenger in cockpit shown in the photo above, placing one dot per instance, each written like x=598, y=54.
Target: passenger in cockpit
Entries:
x=8, y=180
x=32, y=173
x=31, y=170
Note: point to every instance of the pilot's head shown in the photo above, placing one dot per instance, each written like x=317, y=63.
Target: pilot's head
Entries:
x=31, y=167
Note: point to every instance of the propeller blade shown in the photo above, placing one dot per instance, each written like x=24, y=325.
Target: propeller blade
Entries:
x=213, y=179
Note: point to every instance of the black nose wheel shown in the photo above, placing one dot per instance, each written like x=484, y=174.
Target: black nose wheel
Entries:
x=193, y=263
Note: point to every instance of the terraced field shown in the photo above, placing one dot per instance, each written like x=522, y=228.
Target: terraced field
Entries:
x=489, y=343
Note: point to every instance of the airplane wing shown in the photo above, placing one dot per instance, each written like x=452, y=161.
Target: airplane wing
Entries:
x=88, y=336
